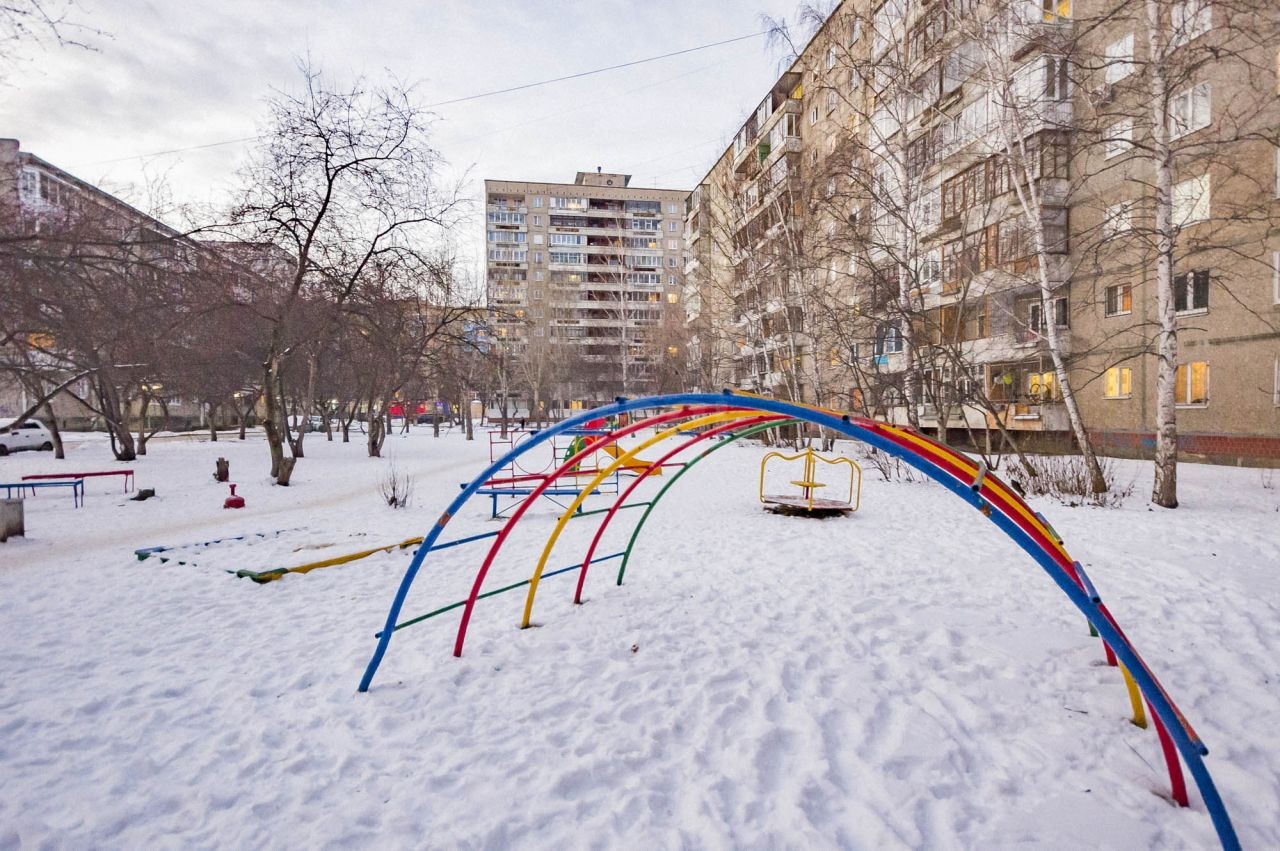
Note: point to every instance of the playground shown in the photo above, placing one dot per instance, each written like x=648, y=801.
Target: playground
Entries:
x=902, y=675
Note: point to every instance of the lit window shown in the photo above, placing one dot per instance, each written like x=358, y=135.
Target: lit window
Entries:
x=1191, y=384
x=1056, y=11
x=1119, y=300
x=673, y=298
x=1117, y=383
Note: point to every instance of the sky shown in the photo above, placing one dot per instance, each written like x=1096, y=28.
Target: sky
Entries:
x=181, y=73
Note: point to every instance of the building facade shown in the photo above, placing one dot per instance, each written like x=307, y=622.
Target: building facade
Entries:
x=942, y=209
x=46, y=213
x=584, y=284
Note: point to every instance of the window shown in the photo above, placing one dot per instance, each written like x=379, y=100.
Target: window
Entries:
x=888, y=340
x=1061, y=314
x=1119, y=59
x=813, y=115
x=537, y=296
x=1057, y=85
x=673, y=298
x=567, y=239
x=1117, y=383
x=1119, y=300
x=1278, y=156
x=1191, y=384
x=831, y=101
x=1056, y=11
x=537, y=200
x=537, y=257
x=930, y=274
x=671, y=262
x=1119, y=138
x=1191, y=201
x=671, y=280
x=537, y=239
x=1043, y=386
x=537, y=220
x=1189, y=110
x=831, y=58
x=672, y=209
x=1189, y=20
x=1275, y=276
x=537, y=276
x=673, y=225
x=1119, y=219
x=1191, y=291
x=1275, y=398
x=673, y=245
x=29, y=184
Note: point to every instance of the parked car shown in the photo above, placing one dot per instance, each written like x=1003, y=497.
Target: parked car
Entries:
x=32, y=434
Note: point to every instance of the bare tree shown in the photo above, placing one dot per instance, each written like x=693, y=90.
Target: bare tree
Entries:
x=341, y=179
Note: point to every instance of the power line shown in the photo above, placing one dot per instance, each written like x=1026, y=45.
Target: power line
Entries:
x=478, y=96
x=596, y=71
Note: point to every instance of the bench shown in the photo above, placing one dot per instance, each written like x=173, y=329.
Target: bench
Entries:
x=76, y=485
x=494, y=493
x=128, y=476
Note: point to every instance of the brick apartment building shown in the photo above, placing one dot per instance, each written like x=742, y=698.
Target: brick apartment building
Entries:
x=869, y=240
x=584, y=283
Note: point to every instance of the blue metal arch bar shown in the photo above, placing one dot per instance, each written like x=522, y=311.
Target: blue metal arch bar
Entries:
x=1188, y=747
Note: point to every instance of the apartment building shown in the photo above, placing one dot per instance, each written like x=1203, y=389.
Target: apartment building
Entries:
x=938, y=202
x=584, y=285
x=41, y=202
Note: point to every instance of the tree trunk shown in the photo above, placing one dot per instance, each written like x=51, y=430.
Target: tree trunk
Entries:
x=112, y=408
x=272, y=419
x=1165, y=490
x=54, y=432
x=377, y=432
x=213, y=422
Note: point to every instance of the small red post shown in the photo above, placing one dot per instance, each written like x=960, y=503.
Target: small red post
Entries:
x=233, y=501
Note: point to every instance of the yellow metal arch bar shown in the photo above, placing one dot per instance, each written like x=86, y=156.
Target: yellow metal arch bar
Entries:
x=709, y=419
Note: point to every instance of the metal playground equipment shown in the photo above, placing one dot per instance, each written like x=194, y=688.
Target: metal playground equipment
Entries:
x=689, y=418
x=808, y=503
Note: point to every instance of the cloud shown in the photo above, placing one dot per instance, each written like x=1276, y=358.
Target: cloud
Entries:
x=177, y=74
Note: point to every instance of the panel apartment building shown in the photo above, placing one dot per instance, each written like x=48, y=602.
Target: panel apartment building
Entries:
x=936, y=198
x=584, y=284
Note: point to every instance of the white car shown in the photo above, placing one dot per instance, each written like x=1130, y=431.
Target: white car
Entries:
x=32, y=434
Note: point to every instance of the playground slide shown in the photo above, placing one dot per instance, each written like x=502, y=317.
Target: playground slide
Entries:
x=635, y=465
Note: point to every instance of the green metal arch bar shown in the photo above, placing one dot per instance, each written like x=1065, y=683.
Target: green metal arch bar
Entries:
x=746, y=432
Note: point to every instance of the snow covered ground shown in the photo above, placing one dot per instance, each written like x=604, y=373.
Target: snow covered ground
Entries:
x=901, y=678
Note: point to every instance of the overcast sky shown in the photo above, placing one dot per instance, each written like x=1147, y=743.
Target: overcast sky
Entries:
x=179, y=73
